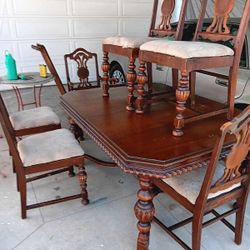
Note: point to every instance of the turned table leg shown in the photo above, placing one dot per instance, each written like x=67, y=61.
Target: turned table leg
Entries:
x=144, y=211
x=83, y=184
x=131, y=78
x=141, y=80
x=105, y=69
x=182, y=94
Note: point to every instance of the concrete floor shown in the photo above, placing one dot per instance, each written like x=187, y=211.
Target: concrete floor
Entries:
x=107, y=223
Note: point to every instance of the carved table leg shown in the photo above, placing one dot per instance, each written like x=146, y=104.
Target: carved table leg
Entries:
x=182, y=94
x=131, y=78
x=105, y=69
x=141, y=79
x=83, y=184
x=144, y=211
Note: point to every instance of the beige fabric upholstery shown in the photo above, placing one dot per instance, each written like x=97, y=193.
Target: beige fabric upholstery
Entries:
x=126, y=42
x=32, y=118
x=183, y=49
x=48, y=147
x=189, y=184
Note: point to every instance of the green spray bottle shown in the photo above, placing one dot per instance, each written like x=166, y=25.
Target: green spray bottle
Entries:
x=10, y=65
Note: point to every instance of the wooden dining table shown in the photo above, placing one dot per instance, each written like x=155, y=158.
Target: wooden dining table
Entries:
x=143, y=145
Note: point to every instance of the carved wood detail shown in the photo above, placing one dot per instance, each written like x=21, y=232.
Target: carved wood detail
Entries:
x=141, y=80
x=167, y=9
x=182, y=94
x=83, y=184
x=105, y=69
x=144, y=211
x=81, y=57
x=222, y=9
x=131, y=78
x=234, y=159
x=240, y=128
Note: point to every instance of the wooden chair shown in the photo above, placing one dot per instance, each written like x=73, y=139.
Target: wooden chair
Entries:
x=33, y=121
x=81, y=58
x=195, y=55
x=54, y=150
x=129, y=47
x=202, y=190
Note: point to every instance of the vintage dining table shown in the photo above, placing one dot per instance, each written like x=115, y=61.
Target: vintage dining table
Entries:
x=143, y=145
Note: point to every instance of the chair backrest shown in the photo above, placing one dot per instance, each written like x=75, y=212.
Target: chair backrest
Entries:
x=233, y=174
x=81, y=58
x=219, y=30
x=9, y=133
x=165, y=28
x=50, y=66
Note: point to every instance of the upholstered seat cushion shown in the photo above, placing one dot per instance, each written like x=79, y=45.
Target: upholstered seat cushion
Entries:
x=32, y=118
x=48, y=147
x=189, y=184
x=183, y=49
x=126, y=42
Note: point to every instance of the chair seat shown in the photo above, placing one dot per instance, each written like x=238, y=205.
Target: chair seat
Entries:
x=183, y=49
x=126, y=42
x=189, y=185
x=48, y=147
x=36, y=117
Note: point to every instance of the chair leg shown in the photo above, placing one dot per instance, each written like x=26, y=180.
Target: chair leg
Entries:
x=131, y=78
x=23, y=196
x=71, y=172
x=13, y=166
x=196, y=231
x=182, y=94
x=105, y=69
x=192, y=80
x=240, y=219
x=83, y=184
x=175, y=79
x=141, y=79
x=17, y=183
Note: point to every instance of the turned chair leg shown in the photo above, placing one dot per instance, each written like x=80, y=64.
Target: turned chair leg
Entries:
x=182, y=94
x=131, y=78
x=105, y=69
x=83, y=184
x=141, y=79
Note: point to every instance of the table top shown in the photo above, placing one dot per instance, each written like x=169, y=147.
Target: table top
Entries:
x=144, y=143
x=32, y=78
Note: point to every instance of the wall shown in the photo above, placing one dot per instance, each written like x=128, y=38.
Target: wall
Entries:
x=63, y=25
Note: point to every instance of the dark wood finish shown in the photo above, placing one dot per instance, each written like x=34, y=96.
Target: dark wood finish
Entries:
x=217, y=31
x=81, y=58
x=233, y=174
x=22, y=171
x=144, y=145
x=163, y=29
